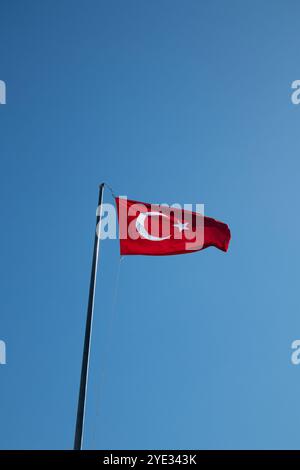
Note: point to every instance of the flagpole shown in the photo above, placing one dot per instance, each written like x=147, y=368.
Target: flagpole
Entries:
x=88, y=331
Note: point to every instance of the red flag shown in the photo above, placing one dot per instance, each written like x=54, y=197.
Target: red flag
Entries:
x=152, y=229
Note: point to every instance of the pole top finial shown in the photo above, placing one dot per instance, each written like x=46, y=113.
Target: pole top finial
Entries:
x=108, y=187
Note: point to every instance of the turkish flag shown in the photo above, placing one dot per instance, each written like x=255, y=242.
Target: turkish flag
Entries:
x=153, y=229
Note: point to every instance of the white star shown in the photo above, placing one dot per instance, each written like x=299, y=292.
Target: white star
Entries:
x=181, y=227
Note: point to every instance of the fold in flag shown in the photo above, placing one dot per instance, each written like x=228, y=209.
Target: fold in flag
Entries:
x=157, y=230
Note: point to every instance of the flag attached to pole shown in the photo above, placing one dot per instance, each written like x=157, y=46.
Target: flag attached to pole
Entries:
x=157, y=230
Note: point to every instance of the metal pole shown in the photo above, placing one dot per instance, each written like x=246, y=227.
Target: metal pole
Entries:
x=88, y=330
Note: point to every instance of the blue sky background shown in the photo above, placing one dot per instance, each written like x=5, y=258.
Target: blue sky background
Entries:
x=168, y=101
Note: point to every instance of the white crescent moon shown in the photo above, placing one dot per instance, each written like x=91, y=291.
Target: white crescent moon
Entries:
x=140, y=226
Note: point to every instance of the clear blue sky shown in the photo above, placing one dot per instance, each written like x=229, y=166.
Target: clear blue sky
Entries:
x=168, y=101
